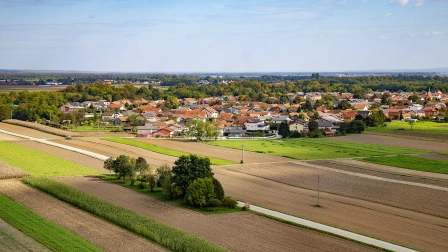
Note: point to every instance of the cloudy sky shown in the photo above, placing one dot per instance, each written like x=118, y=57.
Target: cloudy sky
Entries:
x=223, y=36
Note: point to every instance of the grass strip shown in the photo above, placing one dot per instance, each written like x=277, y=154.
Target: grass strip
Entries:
x=411, y=162
x=161, y=150
x=313, y=149
x=158, y=194
x=39, y=163
x=158, y=232
x=48, y=233
x=420, y=126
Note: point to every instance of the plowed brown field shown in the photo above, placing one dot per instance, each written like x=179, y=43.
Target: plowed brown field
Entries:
x=99, y=232
x=237, y=231
x=27, y=131
x=7, y=171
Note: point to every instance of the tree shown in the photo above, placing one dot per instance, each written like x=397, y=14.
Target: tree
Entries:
x=344, y=104
x=171, y=102
x=200, y=191
x=313, y=126
x=411, y=123
x=186, y=169
x=196, y=128
x=283, y=130
x=219, y=191
x=141, y=167
x=356, y=126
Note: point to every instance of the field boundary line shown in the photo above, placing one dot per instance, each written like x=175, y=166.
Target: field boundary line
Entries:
x=439, y=188
x=328, y=229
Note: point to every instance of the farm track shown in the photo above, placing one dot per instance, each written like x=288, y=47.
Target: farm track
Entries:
x=393, y=140
x=236, y=231
x=410, y=228
x=12, y=239
x=99, y=232
x=28, y=131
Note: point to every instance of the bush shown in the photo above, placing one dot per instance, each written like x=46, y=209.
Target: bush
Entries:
x=219, y=191
x=200, y=192
x=229, y=202
x=214, y=203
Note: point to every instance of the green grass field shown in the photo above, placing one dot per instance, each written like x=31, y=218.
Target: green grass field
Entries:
x=158, y=232
x=313, y=148
x=154, y=148
x=48, y=233
x=421, y=126
x=411, y=162
x=86, y=128
x=38, y=163
x=159, y=195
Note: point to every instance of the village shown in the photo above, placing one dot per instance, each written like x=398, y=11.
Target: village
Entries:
x=232, y=117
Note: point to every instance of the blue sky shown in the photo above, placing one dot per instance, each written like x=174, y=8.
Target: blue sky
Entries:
x=223, y=36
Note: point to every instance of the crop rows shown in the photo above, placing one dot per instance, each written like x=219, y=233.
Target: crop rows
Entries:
x=156, y=231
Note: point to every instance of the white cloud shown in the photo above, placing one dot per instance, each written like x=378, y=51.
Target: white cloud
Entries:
x=413, y=35
x=435, y=33
x=418, y=3
x=382, y=37
x=400, y=2
x=388, y=15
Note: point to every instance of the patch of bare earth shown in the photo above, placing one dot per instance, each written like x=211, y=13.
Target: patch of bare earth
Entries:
x=6, y=137
x=7, y=171
x=242, y=231
x=12, y=239
x=99, y=232
x=213, y=151
x=279, y=187
x=394, y=141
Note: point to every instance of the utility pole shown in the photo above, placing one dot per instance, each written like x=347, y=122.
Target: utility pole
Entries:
x=318, y=191
x=242, y=154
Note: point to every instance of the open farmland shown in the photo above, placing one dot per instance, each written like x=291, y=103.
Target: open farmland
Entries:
x=420, y=126
x=28, y=131
x=7, y=171
x=353, y=211
x=38, y=163
x=11, y=239
x=99, y=232
x=237, y=231
x=308, y=148
x=393, y=141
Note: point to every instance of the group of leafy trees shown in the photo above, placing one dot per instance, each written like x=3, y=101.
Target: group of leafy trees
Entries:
x=191, y=179
x=201, y=130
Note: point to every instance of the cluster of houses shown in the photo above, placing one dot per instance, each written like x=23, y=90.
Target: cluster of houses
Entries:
x=235, y=118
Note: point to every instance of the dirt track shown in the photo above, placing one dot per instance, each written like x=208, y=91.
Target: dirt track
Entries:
x=101, y=233
x=237, y=231
x=27, y=131
x=12, y=239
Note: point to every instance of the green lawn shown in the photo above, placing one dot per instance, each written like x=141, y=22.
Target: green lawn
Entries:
x=421, y=126
x=38, y=163
x=86, y=128
x=154, y=148
x=159, y=195
x=411, y=162
x=156, y=231
x=313, y=148
x=48, y=233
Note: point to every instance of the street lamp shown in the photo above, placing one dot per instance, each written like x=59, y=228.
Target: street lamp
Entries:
x=242, y=153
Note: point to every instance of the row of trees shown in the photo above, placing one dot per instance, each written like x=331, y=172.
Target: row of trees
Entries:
x=191, y=178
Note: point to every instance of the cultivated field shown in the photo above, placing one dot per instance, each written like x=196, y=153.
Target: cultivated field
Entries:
x=237, y=231
x=28, y=131
x=41, y=128
x=393, y=141
x=7, y=171
x=12, y=239
x=30, y=88
x=99, y=232
x=381, y=206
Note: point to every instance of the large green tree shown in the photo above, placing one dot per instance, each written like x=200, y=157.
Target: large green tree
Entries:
x=283, y=130
x=186, y=169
